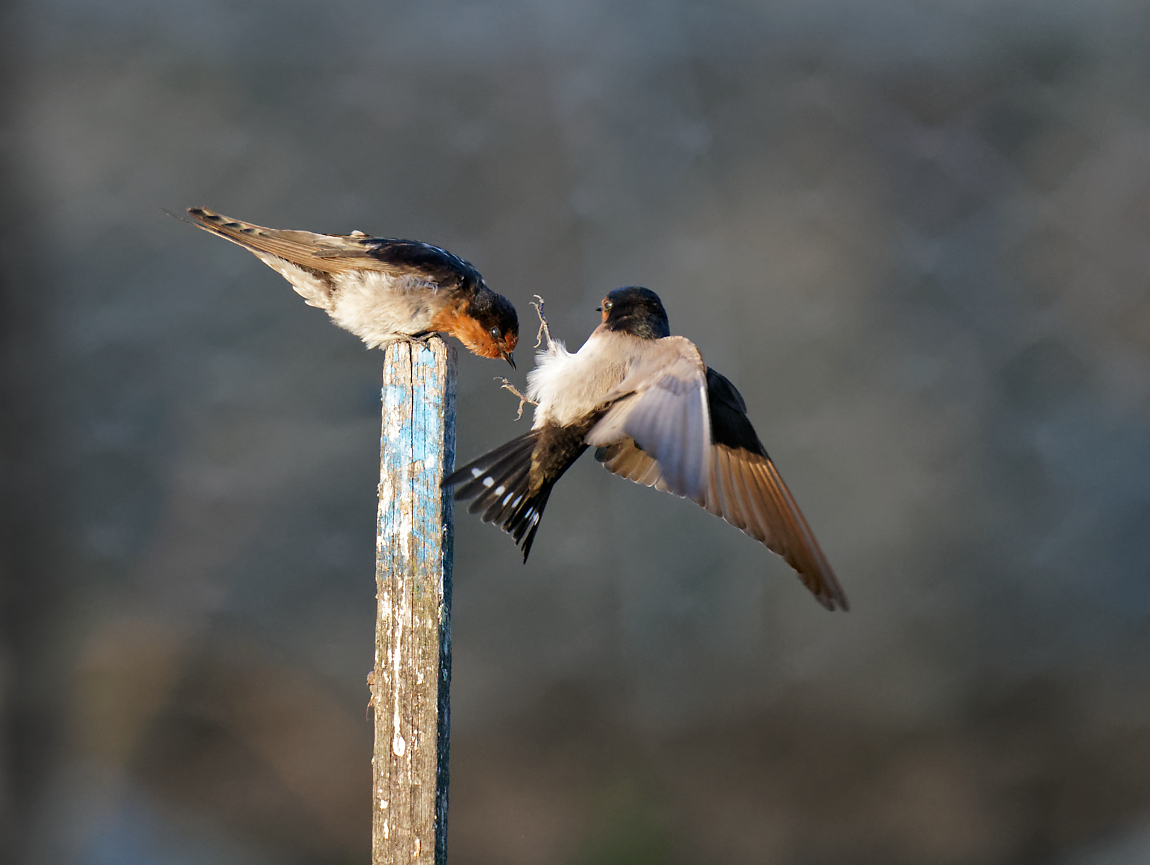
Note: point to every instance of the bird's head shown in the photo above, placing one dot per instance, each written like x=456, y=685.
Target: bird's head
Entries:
x=490, y=327
x=636, y=311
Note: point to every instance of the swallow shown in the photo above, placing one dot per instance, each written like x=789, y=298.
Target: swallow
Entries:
x=381, y=288
x=657, y=415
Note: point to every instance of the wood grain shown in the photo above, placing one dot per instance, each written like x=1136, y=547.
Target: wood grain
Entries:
x=411, y=680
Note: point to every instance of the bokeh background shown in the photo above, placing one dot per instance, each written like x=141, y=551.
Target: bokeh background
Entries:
x=916, y=235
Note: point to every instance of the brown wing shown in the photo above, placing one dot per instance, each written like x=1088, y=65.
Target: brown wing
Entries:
x=667, y=415
x=321, y=252
x=747, y=491
x=744, y=488
x=325, y=254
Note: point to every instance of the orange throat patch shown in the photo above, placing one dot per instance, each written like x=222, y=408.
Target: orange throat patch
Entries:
x=474, y=336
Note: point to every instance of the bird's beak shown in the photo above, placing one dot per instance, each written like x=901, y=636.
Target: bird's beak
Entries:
x=507, y=357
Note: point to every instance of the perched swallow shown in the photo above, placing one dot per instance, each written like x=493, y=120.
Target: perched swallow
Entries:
x=657, y=415
x=380, y=288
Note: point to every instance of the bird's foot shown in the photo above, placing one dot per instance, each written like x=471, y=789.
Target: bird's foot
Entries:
x=544, y=330
x=523, y=399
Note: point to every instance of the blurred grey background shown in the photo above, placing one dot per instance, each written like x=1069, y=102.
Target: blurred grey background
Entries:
x=916, y=235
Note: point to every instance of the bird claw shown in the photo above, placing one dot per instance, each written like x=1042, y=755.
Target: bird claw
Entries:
x=523, y=399
x=544, y=330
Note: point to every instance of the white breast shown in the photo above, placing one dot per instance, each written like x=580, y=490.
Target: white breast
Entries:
x=378, y=307
x=568, y=386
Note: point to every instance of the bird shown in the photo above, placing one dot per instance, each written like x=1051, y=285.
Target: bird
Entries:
x=381, y=288
x=657, y=415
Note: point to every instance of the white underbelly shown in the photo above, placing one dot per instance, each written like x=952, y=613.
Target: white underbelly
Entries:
x=378, y=307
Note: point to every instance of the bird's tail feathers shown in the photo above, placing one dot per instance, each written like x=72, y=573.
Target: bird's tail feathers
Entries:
x=500, y=486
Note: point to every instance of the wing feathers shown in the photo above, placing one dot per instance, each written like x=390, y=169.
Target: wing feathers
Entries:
x=336, y=253
x=742, y=486
x=772, y=517
x=668, y=417
x=302, y=248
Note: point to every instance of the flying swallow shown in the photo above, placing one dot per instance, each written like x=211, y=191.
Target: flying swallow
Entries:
x=657, y=415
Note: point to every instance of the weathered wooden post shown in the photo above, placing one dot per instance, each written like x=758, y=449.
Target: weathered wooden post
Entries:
x=412, y=676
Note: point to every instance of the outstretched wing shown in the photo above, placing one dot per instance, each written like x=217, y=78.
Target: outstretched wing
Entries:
x=743, y=487
x=663, y=409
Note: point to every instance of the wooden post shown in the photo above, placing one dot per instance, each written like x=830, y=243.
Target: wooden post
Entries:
x=412, y=676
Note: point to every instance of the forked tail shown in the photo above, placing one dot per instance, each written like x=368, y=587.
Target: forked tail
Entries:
x=511, y=484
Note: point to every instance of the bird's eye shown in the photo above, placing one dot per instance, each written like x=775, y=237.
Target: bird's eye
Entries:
x=607, y=305
x=494, y=333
